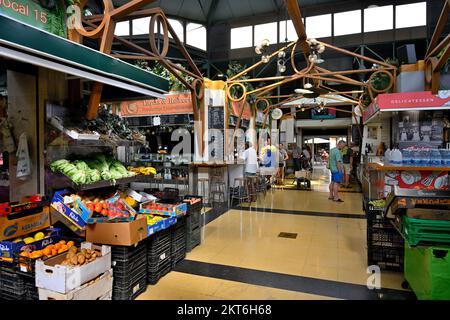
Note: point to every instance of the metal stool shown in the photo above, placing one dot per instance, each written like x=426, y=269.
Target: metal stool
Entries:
x=218, y=188
x=239, y=191
x=202, y=189
x=250, y=185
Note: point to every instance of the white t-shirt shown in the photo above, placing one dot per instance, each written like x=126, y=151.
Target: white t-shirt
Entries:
x=251, y=160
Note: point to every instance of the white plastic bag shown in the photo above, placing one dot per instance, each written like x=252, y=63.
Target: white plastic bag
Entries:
x=23, y=158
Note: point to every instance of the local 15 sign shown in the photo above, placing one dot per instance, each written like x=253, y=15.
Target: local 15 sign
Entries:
x=30, y=12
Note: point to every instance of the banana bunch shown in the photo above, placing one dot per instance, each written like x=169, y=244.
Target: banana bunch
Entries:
x=146, y=171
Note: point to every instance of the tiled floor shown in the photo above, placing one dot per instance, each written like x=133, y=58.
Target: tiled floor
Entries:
x=328, y=248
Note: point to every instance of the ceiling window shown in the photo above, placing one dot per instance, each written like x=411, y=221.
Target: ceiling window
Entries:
x=348, y=22
x=318, y=26
x=267, y=31
x=177, y=26
x=196, y=35
x=141, y=26
x=411, y=15
x=378, y=18
x=241, y=37
x=122, y=28
x=291, y=33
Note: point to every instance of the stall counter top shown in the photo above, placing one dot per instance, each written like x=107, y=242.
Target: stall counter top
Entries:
x=208, y=165
x=382, y=167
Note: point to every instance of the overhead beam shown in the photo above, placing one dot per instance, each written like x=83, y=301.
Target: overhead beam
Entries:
x=443, y=18
x=211, y=11
x=296, y=17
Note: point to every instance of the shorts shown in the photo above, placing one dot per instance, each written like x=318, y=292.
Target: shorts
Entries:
x=281, y=165
x=337, y=176
x=348, y=168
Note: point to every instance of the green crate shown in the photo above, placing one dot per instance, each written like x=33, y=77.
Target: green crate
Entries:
x=427, y=270
x=426, y=231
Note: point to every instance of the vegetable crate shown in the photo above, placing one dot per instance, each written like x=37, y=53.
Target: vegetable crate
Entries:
x=9, y=248
x=194, y=204
x=193, y=238
x=174, y=211
x=161, y=225
x=72, y=215
x=130, y=270
x=427, y=270
x=16, y=285
x=100, y=288
x=159, y=261
x=51, y=275
x=385, y=246
x=24, y=222
x=426, y=231
x=178, y=241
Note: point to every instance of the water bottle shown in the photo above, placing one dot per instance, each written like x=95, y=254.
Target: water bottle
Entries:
x=426, y=159
x=396, y=157
x=445, y=159
x=406, y=157
x=387, y=156
x=435, y=158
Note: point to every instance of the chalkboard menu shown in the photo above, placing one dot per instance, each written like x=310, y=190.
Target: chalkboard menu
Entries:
x=216, y=117
x=166, y=120
x=174, y=119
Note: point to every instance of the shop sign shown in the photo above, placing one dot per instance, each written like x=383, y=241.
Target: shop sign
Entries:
x=171, y=104
x=326, y=113
x=246, y=114
x=30, y=12
x=407, y=101
x=371, y=110
x=260, y=117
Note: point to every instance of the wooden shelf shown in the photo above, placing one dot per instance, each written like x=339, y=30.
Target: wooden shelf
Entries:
x=382, y=167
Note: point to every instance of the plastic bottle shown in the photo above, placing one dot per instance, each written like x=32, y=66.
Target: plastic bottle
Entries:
x=396, y=157
x=435, y=158
x=387, y=156
x=406, y=157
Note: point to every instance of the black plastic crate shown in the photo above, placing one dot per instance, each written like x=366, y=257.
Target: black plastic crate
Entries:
x=178, y=255
x=130, y=270
x=196, y=207
x=12, y=285
x=193, y=239
x=193, y=220
x=385, y=238
x=123, y=253
x=154, y=276
x=387, y=258
x=127, y=282
x=132, y=291
x=170, y=195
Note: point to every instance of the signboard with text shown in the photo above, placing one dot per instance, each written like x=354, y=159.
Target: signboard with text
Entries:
x=171, y=104
x=30, y=12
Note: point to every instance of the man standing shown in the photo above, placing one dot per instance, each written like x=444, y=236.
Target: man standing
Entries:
x=306, y=156
x=347, y=159
x=296, y=155
x=282, y=162
x=250, y=160
x=337, y=171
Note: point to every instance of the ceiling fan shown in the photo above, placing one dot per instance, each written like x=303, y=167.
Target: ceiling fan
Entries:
x=311, y=92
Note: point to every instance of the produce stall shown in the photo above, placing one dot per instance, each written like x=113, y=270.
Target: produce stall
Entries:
x=406, y=187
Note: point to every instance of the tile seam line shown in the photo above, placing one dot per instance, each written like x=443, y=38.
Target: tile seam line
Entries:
x=342, y=285
x=304, y=213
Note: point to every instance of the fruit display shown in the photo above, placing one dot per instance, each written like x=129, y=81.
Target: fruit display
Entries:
x=92, y=170
x=378, y=203
x=109, y=205
x=79, y=257
x=152, y=219
x=146, y=171
x=49, y=251
x=30, y=239
x=165, y=209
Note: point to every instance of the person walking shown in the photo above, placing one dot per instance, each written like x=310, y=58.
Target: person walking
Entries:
x=296, y=157
x=250, y=168
x=306, y=158
x=283, y=157
x=347, y=160
x=337, y=171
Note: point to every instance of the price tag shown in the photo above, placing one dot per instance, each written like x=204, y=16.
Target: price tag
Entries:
x=163, y=256
x=136, y=288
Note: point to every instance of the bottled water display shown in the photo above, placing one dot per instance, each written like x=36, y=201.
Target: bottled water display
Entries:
x=425, y=157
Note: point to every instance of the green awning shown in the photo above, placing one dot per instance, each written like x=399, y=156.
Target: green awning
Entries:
x=29, y=44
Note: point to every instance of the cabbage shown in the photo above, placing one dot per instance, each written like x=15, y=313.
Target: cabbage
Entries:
x=58, y=164
x=81, y=165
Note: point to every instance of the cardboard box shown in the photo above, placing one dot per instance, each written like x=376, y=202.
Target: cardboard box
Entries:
x=11, y=227
x=73, y=216
x=8, y=248
x=178, y=210
x=97, y=289
x=51, y=275
x=118, y=233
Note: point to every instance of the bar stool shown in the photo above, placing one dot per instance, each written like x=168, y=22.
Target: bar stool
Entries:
x=239, y=190
x=250, y=185
x=202, y=189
